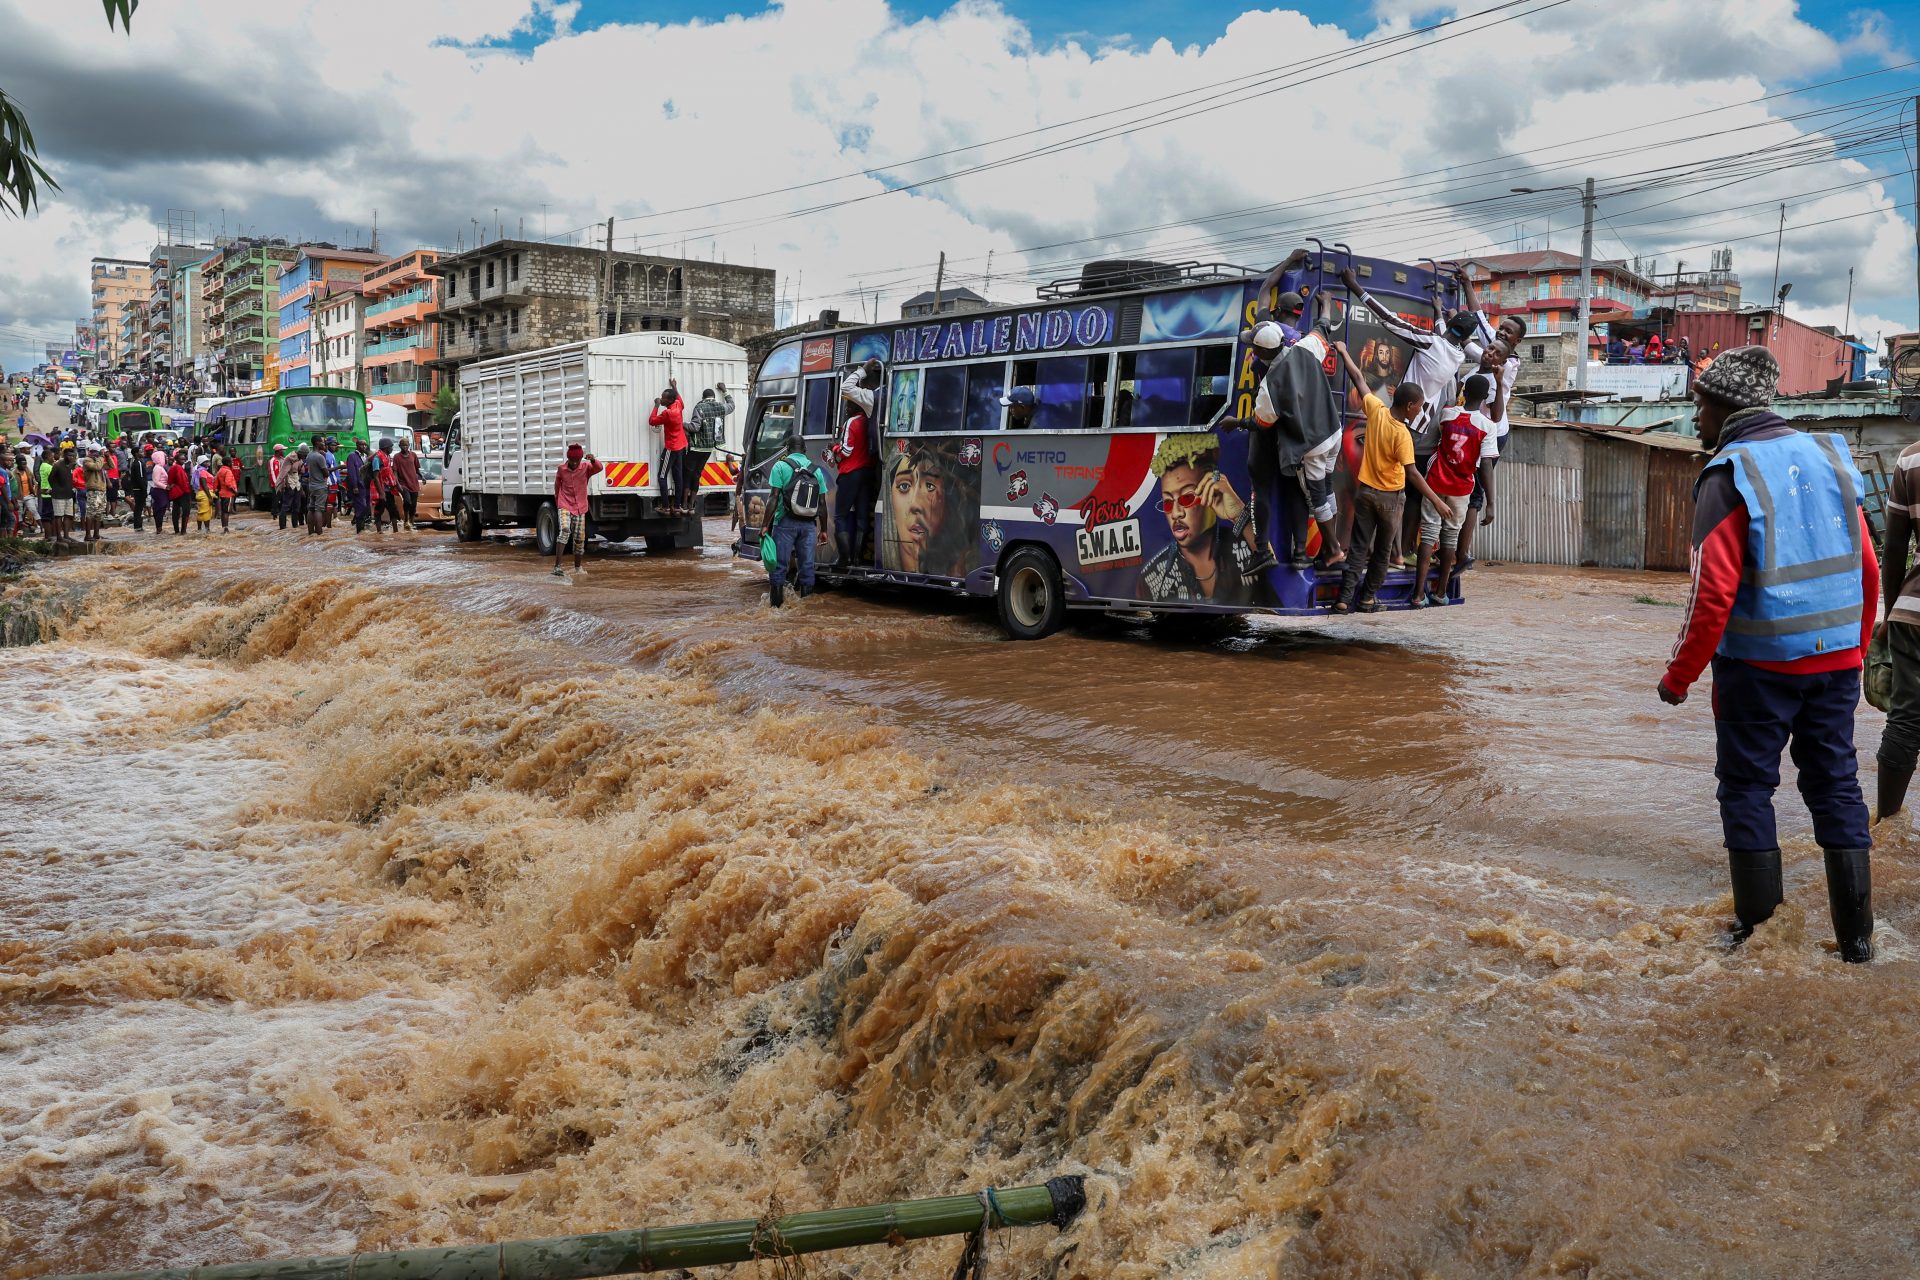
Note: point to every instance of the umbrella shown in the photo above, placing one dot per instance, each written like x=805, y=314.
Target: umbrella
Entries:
x=35, y=439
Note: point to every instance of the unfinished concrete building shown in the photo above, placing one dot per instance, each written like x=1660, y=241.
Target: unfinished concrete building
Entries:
x=521, y=295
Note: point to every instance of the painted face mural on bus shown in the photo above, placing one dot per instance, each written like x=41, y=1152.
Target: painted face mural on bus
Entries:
x=930, y=513
x=1212, y=554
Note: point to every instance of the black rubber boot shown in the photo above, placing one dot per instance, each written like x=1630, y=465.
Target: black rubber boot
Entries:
x=844, y=546
x=1756, y=888
x=1850, y=896
x=777, y=595
x=1894, y=780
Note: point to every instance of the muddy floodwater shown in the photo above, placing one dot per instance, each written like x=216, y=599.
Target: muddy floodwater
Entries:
x=365, y=894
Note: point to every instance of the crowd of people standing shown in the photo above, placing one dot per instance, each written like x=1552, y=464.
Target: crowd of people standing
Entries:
x=76, y=485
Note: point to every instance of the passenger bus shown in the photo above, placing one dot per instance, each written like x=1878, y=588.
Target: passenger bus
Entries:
x=132, y=419
x=1092, y=506
x=291, y=416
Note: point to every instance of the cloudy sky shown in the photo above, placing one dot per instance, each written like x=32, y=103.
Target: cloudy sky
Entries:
x=848, y=142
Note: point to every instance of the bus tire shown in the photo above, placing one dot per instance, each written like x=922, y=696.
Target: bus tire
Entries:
x=657, y=542
x=466, y=522
x=546, y=528
x=1033, y=600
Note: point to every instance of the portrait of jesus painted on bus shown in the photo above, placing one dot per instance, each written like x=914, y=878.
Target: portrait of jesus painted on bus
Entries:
x=929, y=510
x=1213, y=549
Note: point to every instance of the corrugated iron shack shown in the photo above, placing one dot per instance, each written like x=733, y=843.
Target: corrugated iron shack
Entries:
x=1573, y=495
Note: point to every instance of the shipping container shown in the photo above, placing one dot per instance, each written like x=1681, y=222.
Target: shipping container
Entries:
x=1809, y=359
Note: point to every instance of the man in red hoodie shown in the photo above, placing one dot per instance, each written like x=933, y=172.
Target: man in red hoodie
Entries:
x=1783, y=602
x=668, y=414
x=853, y=456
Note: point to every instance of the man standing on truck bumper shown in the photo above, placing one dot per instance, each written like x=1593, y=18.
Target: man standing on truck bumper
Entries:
x=570, y=495
x=1783, y=602
x=668, y=414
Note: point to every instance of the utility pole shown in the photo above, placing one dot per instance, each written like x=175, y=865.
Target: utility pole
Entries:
x=939, y=279
x=1916, y=196
x=606, y=279
x=1779, y=237
x=1846, y=325
x=1587, y=206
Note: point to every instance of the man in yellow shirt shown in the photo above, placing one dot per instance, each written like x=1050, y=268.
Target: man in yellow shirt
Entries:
x=1380, y=489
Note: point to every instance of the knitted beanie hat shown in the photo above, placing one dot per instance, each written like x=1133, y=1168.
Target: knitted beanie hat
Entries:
x=1744, y=377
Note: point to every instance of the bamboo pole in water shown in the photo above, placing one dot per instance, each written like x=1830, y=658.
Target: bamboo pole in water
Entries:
x=617, y=1253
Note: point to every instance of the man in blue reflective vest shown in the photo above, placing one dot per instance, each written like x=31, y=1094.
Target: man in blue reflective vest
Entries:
x=1783, y=602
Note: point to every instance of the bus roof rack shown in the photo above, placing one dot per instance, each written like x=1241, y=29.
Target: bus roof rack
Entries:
x=1111, y=275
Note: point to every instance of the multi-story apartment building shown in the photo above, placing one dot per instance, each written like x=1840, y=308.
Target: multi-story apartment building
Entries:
x=187, y=330
x=165, y=312
x=1544, y=287
x=314, y=268
x=114, y=282
x=401, y=298
x=245, y=337
x=338, y=333
x=520, y=295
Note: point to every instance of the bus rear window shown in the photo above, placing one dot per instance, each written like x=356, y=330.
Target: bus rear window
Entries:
x=308, y=412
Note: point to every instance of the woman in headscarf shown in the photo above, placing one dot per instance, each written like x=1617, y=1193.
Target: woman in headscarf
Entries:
x=159, y=484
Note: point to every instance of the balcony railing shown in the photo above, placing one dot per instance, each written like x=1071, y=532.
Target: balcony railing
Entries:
x=407, y=343
x=407, y=299
x=395, y=388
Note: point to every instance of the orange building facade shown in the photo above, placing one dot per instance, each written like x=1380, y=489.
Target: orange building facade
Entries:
x=401, y=299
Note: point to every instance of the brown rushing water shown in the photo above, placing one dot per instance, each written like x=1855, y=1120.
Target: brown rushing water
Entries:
x=382, y=893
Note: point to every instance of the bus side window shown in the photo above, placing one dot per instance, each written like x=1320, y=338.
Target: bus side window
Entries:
x=1070, y=392
x=943, y=407
x=817, y=420
x=1213, y=383
x=1156, y=388
x=986, y=383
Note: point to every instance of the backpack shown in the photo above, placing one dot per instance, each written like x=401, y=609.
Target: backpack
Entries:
x=802, y=494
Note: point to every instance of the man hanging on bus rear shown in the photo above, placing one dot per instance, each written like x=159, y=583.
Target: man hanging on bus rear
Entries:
x=852, y=452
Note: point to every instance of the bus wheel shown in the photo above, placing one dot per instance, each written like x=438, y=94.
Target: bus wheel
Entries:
x=546, y=528
x=657, y=542
x=1033, y=603
x=466, y=522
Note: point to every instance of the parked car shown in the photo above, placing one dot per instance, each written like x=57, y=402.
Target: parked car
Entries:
x=63, y=400
x=432, y=473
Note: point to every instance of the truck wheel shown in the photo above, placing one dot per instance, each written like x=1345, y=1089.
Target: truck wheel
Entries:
x=663, y=542
x=466, y=522
x=546, y=528
x=1033, y=601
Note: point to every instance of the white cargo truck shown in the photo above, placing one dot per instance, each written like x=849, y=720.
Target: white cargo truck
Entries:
x=519, y=413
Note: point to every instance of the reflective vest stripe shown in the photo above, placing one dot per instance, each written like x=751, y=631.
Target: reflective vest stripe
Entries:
x=1794, y=626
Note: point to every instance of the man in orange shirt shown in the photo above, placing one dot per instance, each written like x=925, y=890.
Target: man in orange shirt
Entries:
x=1380, y=489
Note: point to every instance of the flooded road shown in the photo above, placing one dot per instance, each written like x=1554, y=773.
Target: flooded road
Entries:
x=366, y=894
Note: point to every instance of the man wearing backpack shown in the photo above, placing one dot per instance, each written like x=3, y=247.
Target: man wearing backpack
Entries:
x=798, y=511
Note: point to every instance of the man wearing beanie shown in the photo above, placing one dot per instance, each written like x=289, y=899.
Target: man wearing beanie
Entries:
x=1782, y=603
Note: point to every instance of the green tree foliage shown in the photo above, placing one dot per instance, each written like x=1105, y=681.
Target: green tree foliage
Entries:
x=21, y=174
x=446, y=403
